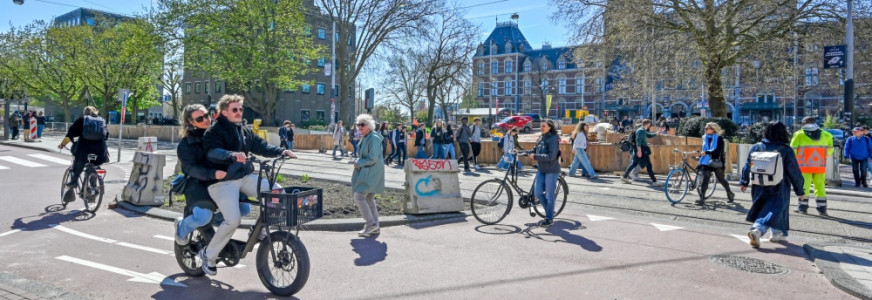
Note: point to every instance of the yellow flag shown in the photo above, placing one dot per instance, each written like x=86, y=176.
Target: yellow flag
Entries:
x=547, y=103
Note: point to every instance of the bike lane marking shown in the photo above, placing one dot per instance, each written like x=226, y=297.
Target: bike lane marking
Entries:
x=110, y=241
x=663, y=227
x=4, y=168
x=51, y=158
x=153, y=277
x=9, y=232
x=598, y=218
x=22, y=162
x=163, y=237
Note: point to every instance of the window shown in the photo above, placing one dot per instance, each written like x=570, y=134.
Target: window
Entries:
x=766, y=98
x=322, y=33
x=527, y=87
x=321, y=61
x=527, y=66
x=481, y=89
x=206, y=87
x=90, y=21
x=480, y=68
x=495, y=68
x=545, y=86
x=508, y=66
x=319, y=87
x=496, y=86
x=217, y=86
x=561, y=85
x=579, y=85
x=811, y=77
x=319, y=115
x=599, y=84
x=197, y=87
x=543, y=65
x=187, y=87
x=305, y=88
x=304, y=115
x=508, y=88
x=307, y=30
x=493, y=90
x=561, y=65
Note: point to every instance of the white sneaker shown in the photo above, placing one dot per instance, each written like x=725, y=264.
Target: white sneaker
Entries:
x=777, y=237
x=181, y=241
x=657, y=183
x=625, y=180
x=478, y=167
x=754, y=235
x=367, y=231
x=208, y=267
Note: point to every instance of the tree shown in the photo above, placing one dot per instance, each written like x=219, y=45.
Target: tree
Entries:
x=446, y=53
x=403, y=79
x=171, y=79
x=365, y=25
x=258, y=47
x=47, y=60
x=719, y=32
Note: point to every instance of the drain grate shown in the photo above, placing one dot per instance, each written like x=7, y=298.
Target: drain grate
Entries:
x=749, y=264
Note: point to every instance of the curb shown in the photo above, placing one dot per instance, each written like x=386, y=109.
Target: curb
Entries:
x=829, y=266
x=24, y=145
x=352, y=224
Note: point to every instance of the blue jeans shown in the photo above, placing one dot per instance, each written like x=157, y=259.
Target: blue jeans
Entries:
x=401, y=154
x=354, y=144
x=290, y=145
x=438, y=151
x=421, y=153
x=449, y=151
x=546, y=185
x=341, y=149
x=762, y=222
x=581, y=159
x=39, y=129
x=202, y=216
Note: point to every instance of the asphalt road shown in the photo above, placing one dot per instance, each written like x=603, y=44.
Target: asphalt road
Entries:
x=595, y=251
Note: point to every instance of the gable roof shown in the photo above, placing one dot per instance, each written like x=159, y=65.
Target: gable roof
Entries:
x=505, y=31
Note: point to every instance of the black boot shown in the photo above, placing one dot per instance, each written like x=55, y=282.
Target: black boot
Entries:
x=731, y=197
x=823, y=211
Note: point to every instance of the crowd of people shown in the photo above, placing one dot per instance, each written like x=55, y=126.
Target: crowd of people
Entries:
x=20, y=121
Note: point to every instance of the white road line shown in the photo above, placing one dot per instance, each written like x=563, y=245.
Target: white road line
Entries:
x=599, y=218
x=110, y=241
x=51, y=158
x=663, y=227
x=743, y=238
x=22, y=162
x=152, y=277
x=9, y=232
x=4, y=168
x=163, y=237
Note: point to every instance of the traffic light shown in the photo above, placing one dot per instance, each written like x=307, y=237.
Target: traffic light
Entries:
x=369, y=97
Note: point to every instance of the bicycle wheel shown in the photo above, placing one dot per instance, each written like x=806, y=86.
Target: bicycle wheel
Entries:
x=186, y=256
x=65, y=189
x=712, y=184
x=283, y=267
x=560, y=194
x=491, y=201
x=677, y=184
x=93, y=193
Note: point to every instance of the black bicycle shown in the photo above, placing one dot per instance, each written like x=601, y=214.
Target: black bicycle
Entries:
x=282, y=261
x=679, y=180
x=89, y=187
x=492, y=199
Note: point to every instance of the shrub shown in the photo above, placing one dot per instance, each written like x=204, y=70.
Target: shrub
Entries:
x=695, y=126
x=308, y=124
x=318, y=127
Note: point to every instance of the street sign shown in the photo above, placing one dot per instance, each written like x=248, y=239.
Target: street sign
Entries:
x=328, y=69
x=835, y=57
x=123, y=94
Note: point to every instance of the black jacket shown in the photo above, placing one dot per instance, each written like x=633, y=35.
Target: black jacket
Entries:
x=546, y=153
x=436, y=134
x=224, y=137
x=83, y=147
x=419, y=137
x=192, y=156
x=718, y=153
x=448, y=136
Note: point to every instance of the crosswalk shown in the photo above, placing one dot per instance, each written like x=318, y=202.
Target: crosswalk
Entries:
x=37, y=160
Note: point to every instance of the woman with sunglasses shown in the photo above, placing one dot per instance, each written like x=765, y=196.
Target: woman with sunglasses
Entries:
x=713, y=161
x=368, y=178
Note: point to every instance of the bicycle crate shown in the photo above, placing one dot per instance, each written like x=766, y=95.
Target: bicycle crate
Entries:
x=293, y=205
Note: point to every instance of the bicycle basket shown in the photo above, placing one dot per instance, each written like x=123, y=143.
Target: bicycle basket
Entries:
x=293, y=206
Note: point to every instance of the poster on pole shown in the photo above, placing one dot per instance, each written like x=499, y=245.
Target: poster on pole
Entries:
x=332, y=111
x=835, y=57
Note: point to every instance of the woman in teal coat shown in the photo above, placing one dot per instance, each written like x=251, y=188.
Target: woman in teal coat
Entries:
x=368, y=178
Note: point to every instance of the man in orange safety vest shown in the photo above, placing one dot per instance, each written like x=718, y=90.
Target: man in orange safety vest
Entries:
x=813, y=146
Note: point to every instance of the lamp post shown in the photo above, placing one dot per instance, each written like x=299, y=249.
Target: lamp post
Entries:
x=849, y=72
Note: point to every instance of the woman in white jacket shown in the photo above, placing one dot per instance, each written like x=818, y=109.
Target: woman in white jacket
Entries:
x=579, y=150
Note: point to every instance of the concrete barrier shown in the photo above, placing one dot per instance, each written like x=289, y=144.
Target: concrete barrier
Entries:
x=432, y=186
x=145, y=186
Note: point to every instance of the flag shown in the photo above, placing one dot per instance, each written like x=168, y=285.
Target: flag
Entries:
x=547, y=104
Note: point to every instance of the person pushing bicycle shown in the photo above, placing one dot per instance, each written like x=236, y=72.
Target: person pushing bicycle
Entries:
x=227, y=143
x=90, y=131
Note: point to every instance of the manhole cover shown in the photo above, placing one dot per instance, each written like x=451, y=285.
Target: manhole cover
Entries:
x=749, y=264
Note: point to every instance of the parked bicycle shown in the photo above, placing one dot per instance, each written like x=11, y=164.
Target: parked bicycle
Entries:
x=679, y=180
x=282, y=261
x=492, y=199
x=90, y=185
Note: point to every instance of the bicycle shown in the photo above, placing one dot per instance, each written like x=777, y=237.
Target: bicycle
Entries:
x=279, y=250
x=89, y=187
x=678, y=182
x=492, y=199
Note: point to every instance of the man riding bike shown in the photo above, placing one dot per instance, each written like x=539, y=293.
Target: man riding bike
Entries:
x=90, y=129
x=227, y=143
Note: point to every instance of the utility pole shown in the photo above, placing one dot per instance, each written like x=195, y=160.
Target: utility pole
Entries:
x=333, y=76
x=849, y=73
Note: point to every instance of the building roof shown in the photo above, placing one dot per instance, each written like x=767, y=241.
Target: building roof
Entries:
x=81, y=14
x=505, y=31
x=552, y=55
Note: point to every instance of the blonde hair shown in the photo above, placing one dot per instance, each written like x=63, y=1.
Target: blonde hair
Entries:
x=225, y=101
x=714, y=126
x=90, y=110
x=579, y=128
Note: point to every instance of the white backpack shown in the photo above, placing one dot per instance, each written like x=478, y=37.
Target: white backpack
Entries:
x=766, y=168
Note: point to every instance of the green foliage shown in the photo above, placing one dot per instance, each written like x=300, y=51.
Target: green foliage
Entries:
x=755, y=133
x=280, y=178
x=304, y=178
x=310, y=123
x=318, y=127
x=831, y=122
x=695, y=126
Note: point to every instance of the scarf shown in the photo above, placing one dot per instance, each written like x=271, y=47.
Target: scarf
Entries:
x=708, y=146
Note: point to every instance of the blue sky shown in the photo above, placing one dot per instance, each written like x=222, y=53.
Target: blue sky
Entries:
x=535, y=16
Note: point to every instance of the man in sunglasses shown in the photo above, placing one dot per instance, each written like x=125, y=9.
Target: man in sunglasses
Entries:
x=227, y=143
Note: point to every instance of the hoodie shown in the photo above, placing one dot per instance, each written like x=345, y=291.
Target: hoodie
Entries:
x=812, y=131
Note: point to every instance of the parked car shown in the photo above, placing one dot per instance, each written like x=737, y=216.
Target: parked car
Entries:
x=524, y=123
x=536, y=120
x=838, y=141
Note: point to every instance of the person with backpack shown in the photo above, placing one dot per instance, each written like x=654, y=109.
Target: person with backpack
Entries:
x=773, y=161
x=640, y=152
x=713, y=146
x=507, y=143
x=858, y=149
x=475, y=141
x=90, y=131
x=14, y=121
x=813, y=146
x=283, y=134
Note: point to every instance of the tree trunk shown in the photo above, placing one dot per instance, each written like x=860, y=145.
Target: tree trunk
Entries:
x=717, y=104
x=431, y=103
x=68, y=112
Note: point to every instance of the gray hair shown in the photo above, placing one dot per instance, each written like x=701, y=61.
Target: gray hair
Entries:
x=366, y=118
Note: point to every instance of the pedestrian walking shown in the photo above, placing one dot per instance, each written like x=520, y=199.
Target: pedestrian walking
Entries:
x=368, y=178
x=402, y=149
x=771, y=200
x=40, y=124
x=27, y=116
x=813, y=146
x=384, y=131
x=712, y=161
x=283, y=134
x=355, y=139
x=338, y=136
x=858, y=149
x=436, y=136
x=448, y=140
x=868, y=163
x=291, y=136
x=475, y=141
x=641, y=154
x=579, y=152
x=463, y=136
x=14, y=122
x=547, y=155
x=510, y=143
x=420, y=141
x=392, y=137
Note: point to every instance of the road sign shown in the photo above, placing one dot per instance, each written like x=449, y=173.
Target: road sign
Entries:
x=835, y=57
x=328, y=69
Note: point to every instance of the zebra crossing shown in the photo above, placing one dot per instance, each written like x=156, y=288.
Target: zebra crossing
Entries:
x=37, y=160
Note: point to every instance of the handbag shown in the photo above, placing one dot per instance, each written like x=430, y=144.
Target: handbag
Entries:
x=179, y=183
x=716, y=163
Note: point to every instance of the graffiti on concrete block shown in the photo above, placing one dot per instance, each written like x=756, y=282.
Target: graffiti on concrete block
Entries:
x=432, y=164
x=423, y=187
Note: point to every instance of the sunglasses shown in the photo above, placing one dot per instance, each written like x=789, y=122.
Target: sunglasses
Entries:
x=237, y=109
x=203, y=117
x=361, y=125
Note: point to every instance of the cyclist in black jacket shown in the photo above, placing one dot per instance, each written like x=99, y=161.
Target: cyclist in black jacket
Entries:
x=82, y=147
x=227, y=143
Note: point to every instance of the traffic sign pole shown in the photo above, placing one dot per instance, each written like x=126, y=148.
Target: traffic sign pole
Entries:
x=123, y=97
